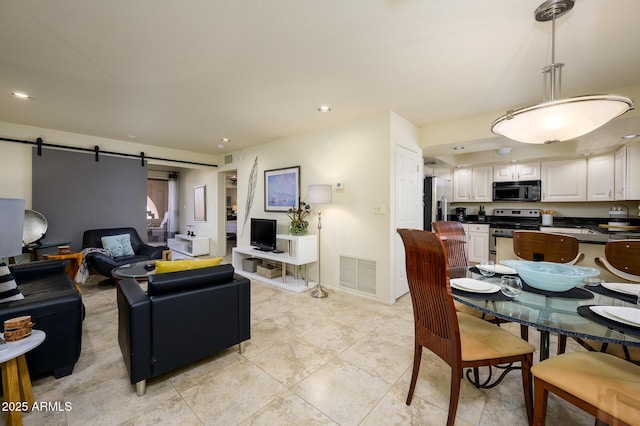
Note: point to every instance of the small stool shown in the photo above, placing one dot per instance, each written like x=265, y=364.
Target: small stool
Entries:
x=16, y=383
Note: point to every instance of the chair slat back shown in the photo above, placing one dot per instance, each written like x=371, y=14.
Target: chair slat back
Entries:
x=624, y=255
x=543, y=246
x=457, y=257
x=455, y=240
x=436, y=323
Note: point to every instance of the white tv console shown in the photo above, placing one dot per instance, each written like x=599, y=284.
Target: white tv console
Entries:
x=299, y=250
x=187, y=246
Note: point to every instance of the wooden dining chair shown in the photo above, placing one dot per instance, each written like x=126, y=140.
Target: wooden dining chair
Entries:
x=544, y=246
x=461, y=340
x=600, y=384
x=622, y=259
x=455, y=242
x=548, y=247
x=455, y=239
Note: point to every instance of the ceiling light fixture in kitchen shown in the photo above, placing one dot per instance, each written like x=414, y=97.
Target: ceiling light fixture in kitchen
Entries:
x=557, y=119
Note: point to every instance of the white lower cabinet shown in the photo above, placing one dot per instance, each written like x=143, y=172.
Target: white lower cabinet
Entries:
x=478, y=242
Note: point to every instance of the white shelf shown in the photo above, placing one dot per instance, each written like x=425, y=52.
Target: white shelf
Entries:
x=300, y=250
x=189, y=246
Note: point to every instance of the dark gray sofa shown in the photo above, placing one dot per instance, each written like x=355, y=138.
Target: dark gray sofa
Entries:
x=183, y=317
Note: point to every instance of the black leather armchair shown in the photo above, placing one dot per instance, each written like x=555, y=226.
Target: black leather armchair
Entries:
x=56, y=308
x=104, y=264
x=183, y=317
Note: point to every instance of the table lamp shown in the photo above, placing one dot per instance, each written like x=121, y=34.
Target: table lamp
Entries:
x=319, y=194
x=11, y=227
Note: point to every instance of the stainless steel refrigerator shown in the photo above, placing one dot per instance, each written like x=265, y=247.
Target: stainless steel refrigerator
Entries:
x=436, y=197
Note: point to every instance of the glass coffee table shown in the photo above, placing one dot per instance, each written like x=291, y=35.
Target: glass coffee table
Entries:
x=139, y=271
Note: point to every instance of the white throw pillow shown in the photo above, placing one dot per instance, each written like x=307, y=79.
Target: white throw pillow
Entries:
x=118, y=245
x=8, y=288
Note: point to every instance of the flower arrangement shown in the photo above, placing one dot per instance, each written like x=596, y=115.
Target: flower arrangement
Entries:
x=299, y=225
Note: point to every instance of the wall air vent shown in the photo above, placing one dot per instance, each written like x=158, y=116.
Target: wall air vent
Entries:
x=358, y=274
x=228, y=159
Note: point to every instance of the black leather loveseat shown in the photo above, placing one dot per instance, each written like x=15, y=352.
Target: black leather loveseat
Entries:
x=55, y=306
x=103, y=263
x=183, y=317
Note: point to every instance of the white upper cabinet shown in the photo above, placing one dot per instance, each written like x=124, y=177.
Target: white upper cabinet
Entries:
x=462, y=184
x=473, y=184
x=600, y=178
x=564, y=180
x=627, y=172
x=482, y=183
x=519, y=171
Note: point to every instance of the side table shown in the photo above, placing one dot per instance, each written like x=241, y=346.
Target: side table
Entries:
x=75, y=260
x=35, y=249
x=16, y=383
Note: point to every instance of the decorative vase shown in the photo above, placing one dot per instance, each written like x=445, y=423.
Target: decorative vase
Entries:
x=298, y=227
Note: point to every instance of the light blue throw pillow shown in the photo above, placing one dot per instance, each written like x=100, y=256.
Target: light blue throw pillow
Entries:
x=118, y=245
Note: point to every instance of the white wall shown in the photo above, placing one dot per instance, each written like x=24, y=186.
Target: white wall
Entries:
x=356, y=154
x=15, y=171
x=187, y=180
x=16, y=167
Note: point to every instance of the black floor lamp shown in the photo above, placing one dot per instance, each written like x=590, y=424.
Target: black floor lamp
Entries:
x=319, y=194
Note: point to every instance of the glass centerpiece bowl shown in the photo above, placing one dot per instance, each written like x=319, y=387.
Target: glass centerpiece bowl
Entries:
x=551, y=276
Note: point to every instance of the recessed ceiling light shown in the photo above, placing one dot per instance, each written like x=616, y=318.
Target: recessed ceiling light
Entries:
x=225, y=140
x=458, y=148
x=631, y=136
x=503, y=151
x=20, y=95
x=586, y=154
x=324, y=108
x=220, y=145
x=131, y=136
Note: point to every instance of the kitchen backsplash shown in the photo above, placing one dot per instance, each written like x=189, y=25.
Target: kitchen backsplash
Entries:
x=592, y=209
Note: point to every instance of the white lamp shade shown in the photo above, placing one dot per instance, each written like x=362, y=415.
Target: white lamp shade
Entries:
x=11, y=226
x=319, y=194
x=561, y=120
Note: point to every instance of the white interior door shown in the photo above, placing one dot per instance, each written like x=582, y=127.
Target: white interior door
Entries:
x=408, y=207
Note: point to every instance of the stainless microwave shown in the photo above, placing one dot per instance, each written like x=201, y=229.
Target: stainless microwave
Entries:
x=528, y=190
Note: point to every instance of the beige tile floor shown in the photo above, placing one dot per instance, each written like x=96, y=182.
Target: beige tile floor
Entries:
x=344, y=360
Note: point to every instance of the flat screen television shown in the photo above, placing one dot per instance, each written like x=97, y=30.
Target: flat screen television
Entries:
x=263, y=234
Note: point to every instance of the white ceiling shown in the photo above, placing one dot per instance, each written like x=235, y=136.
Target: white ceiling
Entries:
x=185, y=74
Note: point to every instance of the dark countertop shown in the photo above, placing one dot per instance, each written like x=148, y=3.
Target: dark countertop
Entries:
x=597, y=238
x=598, y=234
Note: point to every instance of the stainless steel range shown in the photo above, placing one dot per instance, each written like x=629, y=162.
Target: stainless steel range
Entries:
x=505, y=221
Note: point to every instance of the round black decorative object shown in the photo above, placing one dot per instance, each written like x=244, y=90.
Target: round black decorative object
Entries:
x=149, y=267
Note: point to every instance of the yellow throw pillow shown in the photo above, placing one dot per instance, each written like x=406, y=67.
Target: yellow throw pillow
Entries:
x=164, y=266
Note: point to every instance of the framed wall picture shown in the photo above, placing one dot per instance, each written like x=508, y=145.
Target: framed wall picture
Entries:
x=281, y=189
x=199, y=203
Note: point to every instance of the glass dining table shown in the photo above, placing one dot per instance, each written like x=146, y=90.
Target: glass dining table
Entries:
x=547, y=313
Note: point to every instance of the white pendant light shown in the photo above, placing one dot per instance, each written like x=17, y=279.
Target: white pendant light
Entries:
x=558, y=119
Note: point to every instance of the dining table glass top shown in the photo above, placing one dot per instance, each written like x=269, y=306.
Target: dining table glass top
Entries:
x=556, y=314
